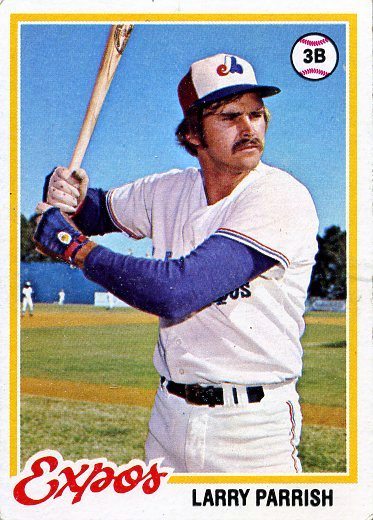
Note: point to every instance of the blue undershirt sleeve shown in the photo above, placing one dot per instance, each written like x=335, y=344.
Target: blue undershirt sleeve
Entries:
x=93, y=217
x=175, y=288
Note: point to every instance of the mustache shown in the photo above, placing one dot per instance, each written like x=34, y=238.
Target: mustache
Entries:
x=253, y=141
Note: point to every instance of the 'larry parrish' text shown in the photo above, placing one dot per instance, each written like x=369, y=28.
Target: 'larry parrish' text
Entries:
x=263, y=497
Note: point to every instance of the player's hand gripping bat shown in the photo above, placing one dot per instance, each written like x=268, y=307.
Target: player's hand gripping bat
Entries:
x=115, y=45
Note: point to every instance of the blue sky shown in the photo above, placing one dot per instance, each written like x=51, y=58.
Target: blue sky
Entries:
x=134, y=135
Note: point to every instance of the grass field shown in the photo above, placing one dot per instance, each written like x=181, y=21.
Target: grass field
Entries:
x=76, y=377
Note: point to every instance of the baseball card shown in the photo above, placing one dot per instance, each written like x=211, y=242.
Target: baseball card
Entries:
x=185, y=299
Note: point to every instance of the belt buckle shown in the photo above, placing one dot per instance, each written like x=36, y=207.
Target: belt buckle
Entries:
x=193, y=394
x=200, y=395
x=211, y=398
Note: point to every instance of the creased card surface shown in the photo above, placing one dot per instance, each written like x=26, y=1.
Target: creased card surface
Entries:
x=223, y=274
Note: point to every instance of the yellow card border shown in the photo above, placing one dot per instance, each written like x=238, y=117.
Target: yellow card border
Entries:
x=350, y=20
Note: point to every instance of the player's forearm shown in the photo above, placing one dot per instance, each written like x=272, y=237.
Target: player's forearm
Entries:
x=92, y=217
x=174, y=289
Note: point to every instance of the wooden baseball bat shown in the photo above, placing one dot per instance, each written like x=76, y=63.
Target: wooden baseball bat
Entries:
x=115, y=45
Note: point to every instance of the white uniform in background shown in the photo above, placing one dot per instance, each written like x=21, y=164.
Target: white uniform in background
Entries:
x=27, y=302
x=61, y=297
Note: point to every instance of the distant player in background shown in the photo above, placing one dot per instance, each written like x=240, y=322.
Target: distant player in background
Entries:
x=27, y=302
x=61, y=297
x=234, y=244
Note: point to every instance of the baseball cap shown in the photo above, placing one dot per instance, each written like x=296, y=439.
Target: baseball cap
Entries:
x=217, y=77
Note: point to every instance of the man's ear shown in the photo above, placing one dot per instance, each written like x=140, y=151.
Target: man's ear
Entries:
x=193, y=139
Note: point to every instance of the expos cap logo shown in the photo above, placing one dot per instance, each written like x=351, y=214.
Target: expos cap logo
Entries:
x=223, y=69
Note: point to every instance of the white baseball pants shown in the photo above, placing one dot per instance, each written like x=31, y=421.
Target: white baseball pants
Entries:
x=251, y=438
x=27, y=302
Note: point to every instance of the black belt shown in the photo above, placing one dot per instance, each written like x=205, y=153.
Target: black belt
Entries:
x=210, y=395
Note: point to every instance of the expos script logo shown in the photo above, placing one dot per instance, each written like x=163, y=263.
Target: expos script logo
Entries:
x=47, y=476
x=224, y=69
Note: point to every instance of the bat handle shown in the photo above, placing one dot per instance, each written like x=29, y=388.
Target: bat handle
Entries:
x=83, y=140
x=78, y=155
x=74, y=165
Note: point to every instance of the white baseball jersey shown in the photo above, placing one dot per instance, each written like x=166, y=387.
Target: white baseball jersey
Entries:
x=27, y=292
x=251, y=336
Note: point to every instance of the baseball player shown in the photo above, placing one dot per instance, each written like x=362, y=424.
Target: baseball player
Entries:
x=27, y=302
x=234, y=244
x=61, y=297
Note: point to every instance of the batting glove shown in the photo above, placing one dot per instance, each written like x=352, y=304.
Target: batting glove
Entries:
x=66, y=190
x=55, y=237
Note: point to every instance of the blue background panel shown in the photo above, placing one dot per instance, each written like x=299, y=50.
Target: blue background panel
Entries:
x=48, y=278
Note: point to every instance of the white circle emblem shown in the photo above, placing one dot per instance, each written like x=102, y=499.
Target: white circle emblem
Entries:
x=314, y=56
x=64, y=237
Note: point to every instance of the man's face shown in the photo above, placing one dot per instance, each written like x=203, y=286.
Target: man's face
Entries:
x=234, y=135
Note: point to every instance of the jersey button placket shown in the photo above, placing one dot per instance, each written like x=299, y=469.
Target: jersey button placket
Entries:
x=179, y=342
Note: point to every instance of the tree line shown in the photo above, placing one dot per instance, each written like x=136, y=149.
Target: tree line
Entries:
x=328, y=278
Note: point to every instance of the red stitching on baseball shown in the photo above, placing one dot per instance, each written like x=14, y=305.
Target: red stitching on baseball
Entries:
x=314, y=71
x=315, y=43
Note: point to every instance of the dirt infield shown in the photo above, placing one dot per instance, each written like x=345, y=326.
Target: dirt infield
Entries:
x=98, y=317
x=326, y=320
x=77, y=391
x=85, y=319
x=324, y=415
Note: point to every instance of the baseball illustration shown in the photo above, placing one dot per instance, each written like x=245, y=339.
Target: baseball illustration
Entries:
x=314, y=56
